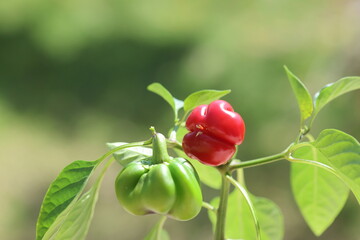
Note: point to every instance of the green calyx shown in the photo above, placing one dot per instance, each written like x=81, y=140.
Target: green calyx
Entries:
x=160, y=184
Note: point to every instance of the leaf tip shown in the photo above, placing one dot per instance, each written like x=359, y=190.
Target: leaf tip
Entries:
x=289, y=73
x=317, y=231
x=150, y=86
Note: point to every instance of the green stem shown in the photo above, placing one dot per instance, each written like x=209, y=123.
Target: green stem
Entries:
x=259, y=161
x=310, y=137
x=249, y=203
x=102, y=173
x=172, y=135
x=221, y=213
x=128, y=145
x=313, y=118
x=182, y=119
x=304, y=130
x=314, y=163
x=174, y=144
x=290, y=158
x=160, y=226
x=208, y=206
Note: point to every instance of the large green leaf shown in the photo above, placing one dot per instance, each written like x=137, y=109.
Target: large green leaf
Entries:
x=157, y=232
x=334, y=90
x=270, y=219
x=239, y=223
x=319, y=194
x=73, y=224
x=339, y=151
x=302, y=95
x=64, y=190
x=342, y=152
x=160, y=90
x=202, y=97
x=127, y=155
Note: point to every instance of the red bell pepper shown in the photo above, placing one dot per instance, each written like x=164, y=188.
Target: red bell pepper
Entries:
x=215, y=129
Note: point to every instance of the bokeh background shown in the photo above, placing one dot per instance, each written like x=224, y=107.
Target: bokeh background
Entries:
x=73, y=76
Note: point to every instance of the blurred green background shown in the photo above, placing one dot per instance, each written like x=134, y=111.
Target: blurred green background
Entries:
x=73, y=76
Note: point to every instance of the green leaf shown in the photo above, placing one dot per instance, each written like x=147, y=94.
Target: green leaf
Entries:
x=248, y=199
x=239, y=223
x=210, y=176
x=127, y=155
x=319, y=194
x=157, y=232
x=302, y=95
x=342, y=152
x=202, y=97
x=334, y=90
x=270, y=218
x=339, y=151
x=74, y=223
x=64, y=190
x=160, y=90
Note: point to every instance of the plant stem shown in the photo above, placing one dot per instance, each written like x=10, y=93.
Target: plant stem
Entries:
x=172, y=136
x=174, y=144
x=160, y=227
x=128, y=145
x=310, y=137
x=209, y=207
x=221, y=212
x=314, y=163
x=102, y=174
x=259, y=161
x=247, y=197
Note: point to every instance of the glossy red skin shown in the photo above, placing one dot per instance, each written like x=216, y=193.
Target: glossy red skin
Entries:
x=214, y=130
x=219, y=120
x=206, y=149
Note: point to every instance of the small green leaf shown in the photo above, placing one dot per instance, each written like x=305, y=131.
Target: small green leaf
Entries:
x=302, y=95
x=125, y=156
x=157, y=232
x=202, y=97
x=64, y=190
x=160, y=90
x=319, y=194
x=239, y=223
x=334, y=90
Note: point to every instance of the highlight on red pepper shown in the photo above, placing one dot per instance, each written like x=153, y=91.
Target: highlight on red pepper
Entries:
x=215, y=129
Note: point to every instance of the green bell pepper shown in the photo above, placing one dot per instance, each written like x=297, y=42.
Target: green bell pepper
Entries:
x=160, y=184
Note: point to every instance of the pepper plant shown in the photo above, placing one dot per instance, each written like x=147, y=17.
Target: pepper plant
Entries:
x=205, y=137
